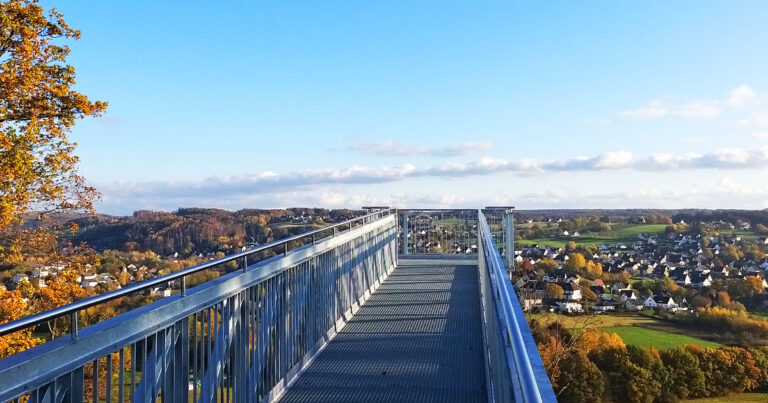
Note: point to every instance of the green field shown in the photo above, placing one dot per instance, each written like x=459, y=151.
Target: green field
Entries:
x=634, y=328
x=737, y=397
x=747, y=236
x=647, y=338
x=622, y=233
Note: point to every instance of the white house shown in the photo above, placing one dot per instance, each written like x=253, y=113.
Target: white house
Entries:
x=603, y=307
x=701, y=280
x=41, y=272
x=571, y=291
x=569, y=306
x=666, y=303
x=684, y=280
x=616, y=287
x=625, y=295
x=89, y=283
x=18, y=277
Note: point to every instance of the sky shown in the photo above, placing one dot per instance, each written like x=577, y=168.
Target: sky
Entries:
x=558, y=104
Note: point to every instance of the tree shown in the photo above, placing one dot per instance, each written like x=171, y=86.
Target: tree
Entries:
x=701, y=301
x=546, y=264
x=650, y=362
x=761, y=229
x=731, y=253
x=754, y=285
x=592, y=340
x=594, y=269
x=752, y=252
x=580, y=379
x=723, y=299
x=760, y=355
x=61, y=290
x=527, y=265
x=575, y=262
x=554, y=291
x=12, y=307
x=38, y=107
x=685, y=375
x=588, y=294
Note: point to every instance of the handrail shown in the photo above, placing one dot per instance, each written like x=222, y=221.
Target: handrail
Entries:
x=512, y=327
x=73, y=308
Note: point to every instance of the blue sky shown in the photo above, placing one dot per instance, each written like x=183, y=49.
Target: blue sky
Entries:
x=415, y=104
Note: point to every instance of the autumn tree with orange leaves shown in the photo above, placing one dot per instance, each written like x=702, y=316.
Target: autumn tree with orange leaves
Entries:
x=12, y=307
x=38, y=107
x=38, y=165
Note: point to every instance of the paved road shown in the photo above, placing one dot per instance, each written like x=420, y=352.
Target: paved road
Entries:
x=418, y=338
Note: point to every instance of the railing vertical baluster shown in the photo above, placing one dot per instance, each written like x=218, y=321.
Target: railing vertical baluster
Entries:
x=143, y=361
x=109, y=378
x=95, y=381
x=74, y=325
x=121, y=376
x=133, y=371
x=194, y=356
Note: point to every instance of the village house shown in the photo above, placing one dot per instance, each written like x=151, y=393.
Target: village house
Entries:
x=19, y=277
x=571, y=291
x=633, y=304
x=568, y=306
x=625, y=295
x=661, y=302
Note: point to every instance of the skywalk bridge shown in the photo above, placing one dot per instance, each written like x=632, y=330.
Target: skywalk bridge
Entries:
x=392, y=306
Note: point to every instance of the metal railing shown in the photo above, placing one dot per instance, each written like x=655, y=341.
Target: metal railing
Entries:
x=241, y=337
x=515, y=370
x=438, y=231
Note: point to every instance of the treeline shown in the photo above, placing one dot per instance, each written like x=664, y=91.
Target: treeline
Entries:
x=197, y=230
x=731, y=216
x=591, y=366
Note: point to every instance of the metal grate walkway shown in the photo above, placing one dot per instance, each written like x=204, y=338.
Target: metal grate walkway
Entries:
x=418, y=338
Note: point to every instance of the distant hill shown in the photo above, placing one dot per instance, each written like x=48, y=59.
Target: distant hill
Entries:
x=199, y=230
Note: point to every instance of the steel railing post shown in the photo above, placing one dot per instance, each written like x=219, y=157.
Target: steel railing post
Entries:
x=509, y=244
x=405, y=233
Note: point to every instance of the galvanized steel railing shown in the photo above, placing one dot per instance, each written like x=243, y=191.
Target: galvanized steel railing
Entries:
x=515, y=370
x=438, y=231
x=240, y=338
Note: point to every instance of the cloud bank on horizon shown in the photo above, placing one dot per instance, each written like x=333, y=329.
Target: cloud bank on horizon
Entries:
x=306, y=186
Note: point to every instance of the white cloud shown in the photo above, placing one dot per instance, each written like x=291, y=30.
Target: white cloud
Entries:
x=661, y=108
x=726, y=193
x=741, y=96
x=762, y=136
x=757, y=118
x=267, y=186
x=654, y=110
x=697, y=109
x=390, y=148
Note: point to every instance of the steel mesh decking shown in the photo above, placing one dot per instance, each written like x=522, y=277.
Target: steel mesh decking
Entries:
x=418, y=338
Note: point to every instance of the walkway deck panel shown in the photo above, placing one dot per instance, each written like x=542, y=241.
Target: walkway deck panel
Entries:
x=418, y=338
